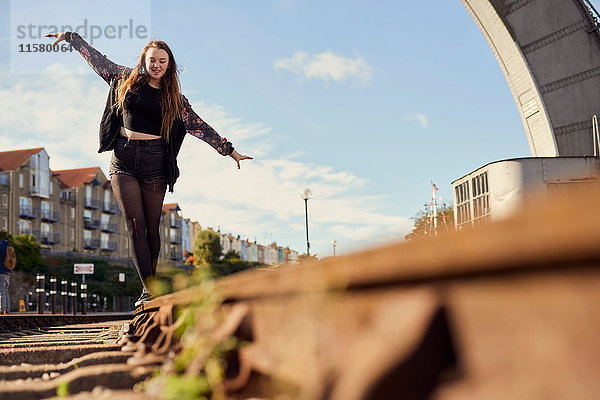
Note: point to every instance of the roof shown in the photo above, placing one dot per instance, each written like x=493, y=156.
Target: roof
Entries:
x=168, y=207
x=10, y=160
x=74, y=178
x=523, y=159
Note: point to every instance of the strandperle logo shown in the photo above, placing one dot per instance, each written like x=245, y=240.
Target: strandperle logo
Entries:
x=86, y=30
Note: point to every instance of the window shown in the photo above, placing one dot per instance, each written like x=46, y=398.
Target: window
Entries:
x=45, y=229
x=72, y=212
x=46, y=209
x=51, y=187
x=4, y=224
x=87, y=235
x=25, y=226
x=87, y=216
x=463, y=206
x=24, y=205
x=40, y=174
x=3, y=179
x=481, y=198
x=4, y=200
x=72, y=234
x=104, y=240
x=67, y=195
x=21, y=180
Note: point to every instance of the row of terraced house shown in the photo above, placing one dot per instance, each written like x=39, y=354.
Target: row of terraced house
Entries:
x=255, y=252
x=75, y=211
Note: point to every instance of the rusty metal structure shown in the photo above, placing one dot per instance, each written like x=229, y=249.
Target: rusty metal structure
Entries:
x=509, y=310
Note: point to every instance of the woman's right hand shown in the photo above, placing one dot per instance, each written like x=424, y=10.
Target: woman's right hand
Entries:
x=59, y=35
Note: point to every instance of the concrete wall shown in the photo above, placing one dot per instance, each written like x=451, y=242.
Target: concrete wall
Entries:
x=549, y=52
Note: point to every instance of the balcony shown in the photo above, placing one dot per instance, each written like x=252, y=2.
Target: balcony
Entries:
x=175, y=223
x=109, y=227
x=92, y=204
x=50, y=216
x=29, y=212
x=176, y=255
x=91, y=244
x=110, y=208
x=109, y=246
x=50, y=238
x=89, y=223
x=176, y=239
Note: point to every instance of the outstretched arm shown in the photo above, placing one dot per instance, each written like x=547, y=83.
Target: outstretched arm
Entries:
x=104, y=67
x=195, y=126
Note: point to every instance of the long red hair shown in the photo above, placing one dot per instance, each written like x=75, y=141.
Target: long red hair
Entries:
x=170, y=100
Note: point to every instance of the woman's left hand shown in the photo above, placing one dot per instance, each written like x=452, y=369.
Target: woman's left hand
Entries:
x=239, y=157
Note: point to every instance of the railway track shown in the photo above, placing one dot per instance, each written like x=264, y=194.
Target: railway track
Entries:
x=509, y=310
x=19, y=322
x=40, y=361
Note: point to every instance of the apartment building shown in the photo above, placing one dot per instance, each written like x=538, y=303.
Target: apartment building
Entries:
x=92, y=220
x=171, y=224
x=74, y=210
x=69, y=210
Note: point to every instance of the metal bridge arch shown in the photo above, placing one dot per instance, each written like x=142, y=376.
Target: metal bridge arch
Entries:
x=549, y=52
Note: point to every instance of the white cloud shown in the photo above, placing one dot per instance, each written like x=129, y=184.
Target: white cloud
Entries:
x=419, y=117
x=261, y=200
x=57, y=111
x=327, y=66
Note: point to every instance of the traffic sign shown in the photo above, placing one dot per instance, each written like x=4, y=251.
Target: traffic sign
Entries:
x=83, y=268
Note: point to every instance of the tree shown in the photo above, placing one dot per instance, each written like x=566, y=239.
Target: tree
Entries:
x=307, y=257
x=231, y=255
x=207, y=247
x=423, y=223
x=207, y=253
x=26, y=248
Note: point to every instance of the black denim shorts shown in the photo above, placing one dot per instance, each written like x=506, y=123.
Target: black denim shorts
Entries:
x=144, y=160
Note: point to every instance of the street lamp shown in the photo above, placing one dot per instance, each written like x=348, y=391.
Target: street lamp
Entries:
x=306, y=194
x=334, y=243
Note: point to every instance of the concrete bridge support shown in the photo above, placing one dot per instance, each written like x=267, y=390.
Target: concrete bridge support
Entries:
x=549, y=52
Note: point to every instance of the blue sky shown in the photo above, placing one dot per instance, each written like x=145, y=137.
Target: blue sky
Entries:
x=363, y=102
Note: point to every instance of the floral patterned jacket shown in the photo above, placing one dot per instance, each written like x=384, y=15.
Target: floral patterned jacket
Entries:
x=107, y=70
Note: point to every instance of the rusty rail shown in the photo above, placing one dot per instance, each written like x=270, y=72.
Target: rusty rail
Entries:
x=509, y=310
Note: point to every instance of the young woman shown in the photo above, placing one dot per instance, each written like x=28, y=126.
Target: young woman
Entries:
x=144, y=123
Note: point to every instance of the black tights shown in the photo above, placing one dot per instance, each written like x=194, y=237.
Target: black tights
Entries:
x=141, y=204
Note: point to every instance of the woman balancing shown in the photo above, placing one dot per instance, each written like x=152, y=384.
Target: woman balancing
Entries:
x=145, y=121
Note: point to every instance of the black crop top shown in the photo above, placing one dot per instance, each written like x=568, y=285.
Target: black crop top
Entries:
x=142, y=111
x=108, y=70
